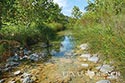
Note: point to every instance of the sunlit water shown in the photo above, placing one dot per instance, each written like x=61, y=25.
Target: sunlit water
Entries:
x=66, y=46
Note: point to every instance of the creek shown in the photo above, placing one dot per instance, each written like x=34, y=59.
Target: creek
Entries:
x=66, y=47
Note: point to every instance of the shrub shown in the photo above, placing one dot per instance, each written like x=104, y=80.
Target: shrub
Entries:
x=19, y=33
x=107, y=40
x=2, y=49
x=56, y=26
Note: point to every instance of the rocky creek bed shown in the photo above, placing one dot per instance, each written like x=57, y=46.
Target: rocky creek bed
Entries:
x=78, y=66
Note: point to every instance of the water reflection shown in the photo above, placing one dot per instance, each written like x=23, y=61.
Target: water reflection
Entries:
x=66, y=46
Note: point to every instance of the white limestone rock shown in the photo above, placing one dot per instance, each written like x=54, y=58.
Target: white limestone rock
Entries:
x=94, y=59
x=103, y=81
x=114, y=75
x=85, y=65
x=84, y=46
x=105, y=68
x=85, y=55
x=34, y=57
x=17, y=72
x=26, y=78
x=25, y=75
x=90, y=73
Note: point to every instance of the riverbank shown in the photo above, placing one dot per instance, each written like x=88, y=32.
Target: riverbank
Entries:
x=81, y=68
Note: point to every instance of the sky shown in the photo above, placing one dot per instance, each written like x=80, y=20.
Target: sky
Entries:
x=67, y=5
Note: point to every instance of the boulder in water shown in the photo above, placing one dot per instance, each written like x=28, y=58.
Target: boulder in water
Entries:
x=68, y=53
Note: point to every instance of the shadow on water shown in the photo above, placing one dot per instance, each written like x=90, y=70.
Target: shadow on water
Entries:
x=66, y=46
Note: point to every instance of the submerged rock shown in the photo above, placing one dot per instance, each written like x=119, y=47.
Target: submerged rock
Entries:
x=53, y=52
x=103, y=81
x=63, y=60
x=69, y=53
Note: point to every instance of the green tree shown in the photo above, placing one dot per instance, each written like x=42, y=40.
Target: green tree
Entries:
x=28, y=13
x=76, y=13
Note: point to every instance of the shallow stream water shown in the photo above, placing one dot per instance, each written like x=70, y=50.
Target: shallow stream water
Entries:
x=66, y=46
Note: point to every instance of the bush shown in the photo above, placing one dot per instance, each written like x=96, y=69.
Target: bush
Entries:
x=104, y=40
x=46, y=32
x=2, y=49
x=56, y=26
x=19, y=33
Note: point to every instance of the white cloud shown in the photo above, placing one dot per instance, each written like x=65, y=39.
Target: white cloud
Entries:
x=62, y=3
x=67, y=12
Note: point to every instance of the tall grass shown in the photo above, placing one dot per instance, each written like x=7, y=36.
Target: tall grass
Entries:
x=104, y=30
x=105, y=41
